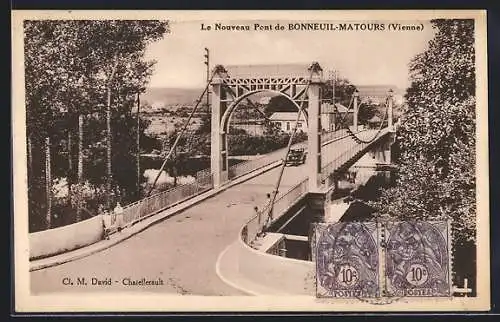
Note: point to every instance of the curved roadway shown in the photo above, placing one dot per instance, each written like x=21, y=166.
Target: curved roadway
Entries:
x=181, y=250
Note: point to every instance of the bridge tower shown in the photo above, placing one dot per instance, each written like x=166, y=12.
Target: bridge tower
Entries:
x=218, y=153
x=301, y=84
x=314, y=132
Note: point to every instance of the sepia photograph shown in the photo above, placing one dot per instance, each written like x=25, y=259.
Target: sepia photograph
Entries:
x=250, y=161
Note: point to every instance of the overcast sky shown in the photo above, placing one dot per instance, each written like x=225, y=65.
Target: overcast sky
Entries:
x=364, y=57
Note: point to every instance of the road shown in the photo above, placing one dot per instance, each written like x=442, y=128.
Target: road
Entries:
x=181, y=250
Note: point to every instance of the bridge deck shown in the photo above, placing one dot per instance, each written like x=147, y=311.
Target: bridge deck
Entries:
x=182, y=250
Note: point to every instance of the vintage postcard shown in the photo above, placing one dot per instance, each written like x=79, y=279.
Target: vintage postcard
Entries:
x=170, y=161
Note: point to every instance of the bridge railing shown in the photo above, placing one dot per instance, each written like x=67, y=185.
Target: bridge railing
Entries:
x=146, y=207
x=288, y=199
x=245, y=167
x=255, y=225
x=328, y=171
x=327, y=136
x=282, y=203
x=203, y=182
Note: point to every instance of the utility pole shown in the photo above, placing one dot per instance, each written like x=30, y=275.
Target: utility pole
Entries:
x=48, y=185
x=207, y=62
x=70, y=145
x=80, y=148
x=109, y=172
x=355, y=107
x=80, y=162
x=333, y=77
x=138, y=143
x=390, y=95
x=109, y=135
x=70, y=165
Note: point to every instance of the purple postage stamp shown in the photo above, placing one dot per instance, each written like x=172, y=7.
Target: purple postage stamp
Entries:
x=417, y=259
x=347, y=260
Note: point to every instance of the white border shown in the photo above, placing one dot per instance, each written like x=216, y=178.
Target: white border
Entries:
x=25, y=302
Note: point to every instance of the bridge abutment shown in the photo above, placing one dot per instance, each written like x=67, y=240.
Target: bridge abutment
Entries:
x=382, y=152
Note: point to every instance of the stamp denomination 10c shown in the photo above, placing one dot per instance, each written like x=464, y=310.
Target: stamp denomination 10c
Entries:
x=347, y=260
x=417, y=259
x=382, y=260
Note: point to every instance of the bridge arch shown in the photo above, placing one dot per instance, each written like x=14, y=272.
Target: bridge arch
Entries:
x=226, y=118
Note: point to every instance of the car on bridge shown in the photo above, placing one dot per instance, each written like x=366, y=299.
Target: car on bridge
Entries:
x=296, y=157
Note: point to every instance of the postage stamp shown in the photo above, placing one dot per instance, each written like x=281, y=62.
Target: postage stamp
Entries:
x=250, y=160
x=418, y=259
x=385, y=260
x=347, y=260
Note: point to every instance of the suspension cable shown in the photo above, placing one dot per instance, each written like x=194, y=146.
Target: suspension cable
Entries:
x=249, y=102
x=283, y=161
x=181, y=133
x=358, y=139
x=342, y=118
x=275, y=192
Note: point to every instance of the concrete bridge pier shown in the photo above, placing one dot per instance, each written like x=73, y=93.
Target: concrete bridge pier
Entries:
x=328, y=198
x=316, y=202
x=381, y=154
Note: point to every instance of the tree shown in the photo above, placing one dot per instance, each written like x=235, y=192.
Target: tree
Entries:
x=437, y=136
x=90, y=67
x=279, y=103
x=343, y=91
x=366, y=111
x=49, y=95
x=205, y=126
x=122, y=55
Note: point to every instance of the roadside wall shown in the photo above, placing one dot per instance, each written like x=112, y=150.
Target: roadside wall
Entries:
x=62, y=239
x=284, y=274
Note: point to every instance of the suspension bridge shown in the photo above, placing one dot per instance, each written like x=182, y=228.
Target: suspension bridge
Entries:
x=212, y=244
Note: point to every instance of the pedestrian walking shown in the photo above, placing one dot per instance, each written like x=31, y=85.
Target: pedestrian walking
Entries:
x=119, y=216
x=106, y=219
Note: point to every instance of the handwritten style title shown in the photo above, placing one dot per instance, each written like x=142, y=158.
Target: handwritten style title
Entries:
x=316, y=26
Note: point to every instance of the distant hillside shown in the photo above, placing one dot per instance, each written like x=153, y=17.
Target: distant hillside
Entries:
x=166, y=96
x=171, y=96
x=377, y=90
